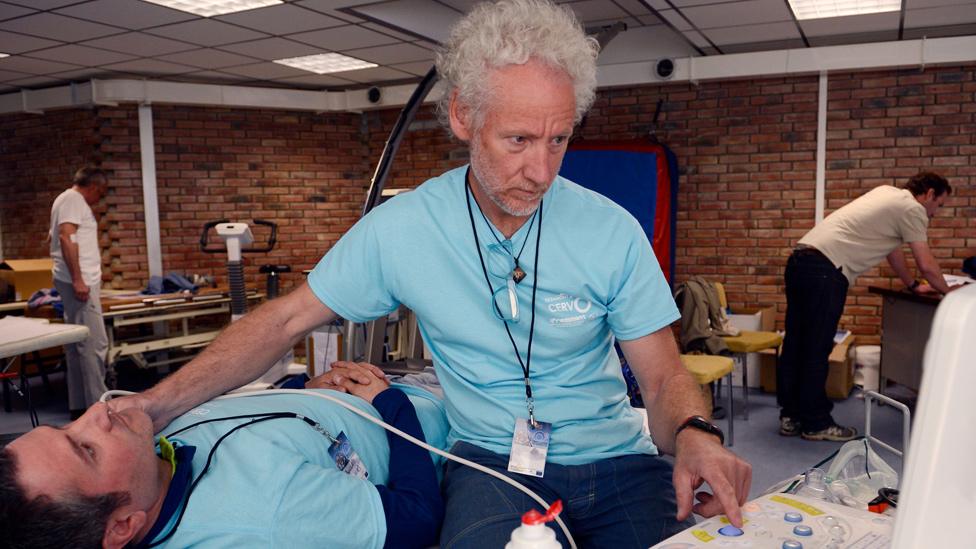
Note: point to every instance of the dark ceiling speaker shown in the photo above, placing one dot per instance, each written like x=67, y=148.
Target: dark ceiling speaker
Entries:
x=664, y=68
x=373, y=94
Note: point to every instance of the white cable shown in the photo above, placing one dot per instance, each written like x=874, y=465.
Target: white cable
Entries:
x=514, y=483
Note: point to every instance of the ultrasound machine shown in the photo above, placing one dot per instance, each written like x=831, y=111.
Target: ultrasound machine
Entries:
x=938, y=490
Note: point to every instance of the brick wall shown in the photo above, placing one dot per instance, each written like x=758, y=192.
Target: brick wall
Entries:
x=304, y=171
x=38, y=157
x=746, y=149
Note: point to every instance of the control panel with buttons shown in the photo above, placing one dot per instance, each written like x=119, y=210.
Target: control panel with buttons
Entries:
x=787, y=521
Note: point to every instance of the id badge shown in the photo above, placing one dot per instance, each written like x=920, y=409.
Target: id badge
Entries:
x=346, y=459
x=529, y=448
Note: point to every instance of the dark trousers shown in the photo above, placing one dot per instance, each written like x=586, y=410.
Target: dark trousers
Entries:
x=623, y=502
x=815, y=295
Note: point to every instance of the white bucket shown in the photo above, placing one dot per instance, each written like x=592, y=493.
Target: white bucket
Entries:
x=867, y=360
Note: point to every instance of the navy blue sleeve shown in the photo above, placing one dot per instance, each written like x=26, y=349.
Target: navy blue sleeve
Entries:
x=411, y=497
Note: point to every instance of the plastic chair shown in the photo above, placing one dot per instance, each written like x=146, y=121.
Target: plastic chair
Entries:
x=747, y=342
x=712, y=368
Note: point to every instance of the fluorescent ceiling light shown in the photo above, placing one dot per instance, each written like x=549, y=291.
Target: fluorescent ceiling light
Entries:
x=209, y=8
x=2, y=55
x=819, y=9
x=324, y=63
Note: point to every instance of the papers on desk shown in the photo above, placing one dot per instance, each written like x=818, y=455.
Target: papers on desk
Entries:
x=957, y=280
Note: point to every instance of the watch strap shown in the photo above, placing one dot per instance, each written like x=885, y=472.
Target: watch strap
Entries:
x=702, y=424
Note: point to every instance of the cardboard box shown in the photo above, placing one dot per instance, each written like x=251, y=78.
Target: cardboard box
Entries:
x=840, y=375
x=753, y=319
x=27, y=275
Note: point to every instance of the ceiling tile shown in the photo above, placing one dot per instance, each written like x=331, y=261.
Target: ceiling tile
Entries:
x=389, y=32
x=328, y=6
x=344, y=38
x=6, y=76
x=688, y=3
x=463, y=6
x=126, y=13
x=212, y=77
x=658, y=4
x=594, y=10
x=81, y=55
x=748, y=34
x=42, y=4
x=649, y=20
x=11, y=42
x=59, y=27
x=141, y=44
x=418, y=68
x=389, y=55
x=851, y=24
x=697, y=39
x=282, y=19
x=374, y=75
x=750, y=12
x=33, y=66
x=920, y=4
x=265, y=71
x=150, y=67
x=35, y=82
x=937, y=32
x=272, y=48
x=319, y=80
x=859, y=38
x=634, y=7
x=8, y=11
x=207, y=58
x=206, y=32
x=85, y=74
x=424, y=17
x=676, y=20
x=945, y=15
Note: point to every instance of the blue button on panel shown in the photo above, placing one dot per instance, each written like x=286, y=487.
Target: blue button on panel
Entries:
x=730, y=531
x=802, y=530
x=792, y=544
x=793, y=517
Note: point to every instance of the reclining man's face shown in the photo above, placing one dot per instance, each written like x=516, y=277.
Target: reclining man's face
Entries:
x=97, y=454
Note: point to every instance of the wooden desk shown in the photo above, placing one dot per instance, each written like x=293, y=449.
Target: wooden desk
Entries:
x=906, y=320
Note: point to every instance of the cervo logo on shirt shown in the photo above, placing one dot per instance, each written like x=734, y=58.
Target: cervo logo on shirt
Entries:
x=567, y=310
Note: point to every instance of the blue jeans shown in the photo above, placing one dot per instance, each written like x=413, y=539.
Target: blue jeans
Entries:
x=620, y=502
x=815, y=296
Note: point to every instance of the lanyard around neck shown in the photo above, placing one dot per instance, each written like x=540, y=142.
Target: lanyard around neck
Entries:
x=491, y=292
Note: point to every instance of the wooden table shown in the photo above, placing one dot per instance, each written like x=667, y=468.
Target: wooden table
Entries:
x=906, y=320
x=163, y=312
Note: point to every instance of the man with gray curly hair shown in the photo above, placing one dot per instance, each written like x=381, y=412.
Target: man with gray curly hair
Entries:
x=536, y=278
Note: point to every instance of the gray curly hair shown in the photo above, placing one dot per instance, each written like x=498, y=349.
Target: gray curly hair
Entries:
x=510, y=32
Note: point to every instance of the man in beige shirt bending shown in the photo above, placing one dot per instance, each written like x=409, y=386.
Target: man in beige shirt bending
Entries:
x=825, y=263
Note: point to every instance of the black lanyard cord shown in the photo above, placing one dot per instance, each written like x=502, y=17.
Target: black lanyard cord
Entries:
x=491, y=290
x=213, y=450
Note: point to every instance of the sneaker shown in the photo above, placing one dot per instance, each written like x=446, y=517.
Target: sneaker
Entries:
x=834, y=433
x=789, y=427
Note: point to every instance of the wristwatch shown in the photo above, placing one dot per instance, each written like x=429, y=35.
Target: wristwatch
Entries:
x=702, y=424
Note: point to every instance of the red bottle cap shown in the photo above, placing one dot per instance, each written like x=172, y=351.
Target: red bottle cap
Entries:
x=534, y=517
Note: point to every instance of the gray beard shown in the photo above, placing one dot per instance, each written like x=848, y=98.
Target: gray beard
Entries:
x=485, y=175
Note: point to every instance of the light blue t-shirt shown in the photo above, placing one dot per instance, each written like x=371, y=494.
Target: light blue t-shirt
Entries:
x=598, y=278
x=273, y=484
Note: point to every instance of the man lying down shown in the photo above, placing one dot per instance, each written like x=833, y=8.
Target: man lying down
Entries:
x=242, y=472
